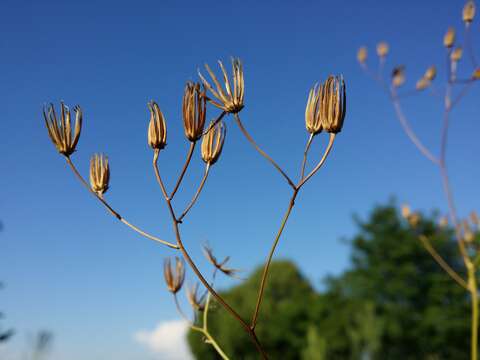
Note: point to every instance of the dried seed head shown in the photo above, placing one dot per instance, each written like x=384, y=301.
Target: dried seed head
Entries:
x=468, y=12
x=468, y=234
x=313, y=113
x=476, y=74
x=431, y=73
x=197, y=301
x=449, y=38
x=422, y=84
x=414, y=219
x=220, y=265
x=230, y=100
x=382, y=49
x=157, y=128
x=212, y=142
x=174, y=277
x=406, y=211
x=456, y=54
x=60, y=130
x=99, y=173
x=443, y=223
x=194, y=109
x=398, y=76
x=333, y=104
x=362, y=55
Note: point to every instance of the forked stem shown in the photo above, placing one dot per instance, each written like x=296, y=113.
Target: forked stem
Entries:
x=184, y=170
x=305, y=154
x=197, y=194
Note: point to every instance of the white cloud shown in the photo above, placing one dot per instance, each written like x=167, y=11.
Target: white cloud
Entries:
x=167, y=340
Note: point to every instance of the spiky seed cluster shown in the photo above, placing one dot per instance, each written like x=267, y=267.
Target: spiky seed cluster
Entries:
x=313, y=113
x=431, y=73
x=99, y=173
x=196, y=301
x=157, y=128
x=230, y=100
x=456, y=54
x=398, y=76
x=60, y=130
x=362, y=55
x=194, y=111
x=174, y=277
x=449, y=38
x=212, y=142
x=333, y=104
x=468, y=12
x=220, y=265
x=382, y=49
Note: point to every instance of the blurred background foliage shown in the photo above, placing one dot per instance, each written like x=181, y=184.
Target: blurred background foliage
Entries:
x=393, y=302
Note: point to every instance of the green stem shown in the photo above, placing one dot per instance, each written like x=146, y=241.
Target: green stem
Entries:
x=474, y=330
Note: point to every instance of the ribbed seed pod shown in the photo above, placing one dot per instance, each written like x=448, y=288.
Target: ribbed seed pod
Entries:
x=212, y=142
x=456, y=54
x=197, y=301
x=382, y=49
x=398, y=76
x=333, y=104
x=362, y=55
x=431, y=73
x=157, y=128
x=476, y=74
x=230, y=100
x=468, y=12
x=220, y=265
x=174, y=277
x=422, y=84
x=313, y=115
x=194, y=111
x=99, y=173
x=60, y=130
x=449, y=38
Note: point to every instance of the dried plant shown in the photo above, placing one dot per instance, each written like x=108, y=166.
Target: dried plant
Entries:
x=325, y=112
x=465, y=230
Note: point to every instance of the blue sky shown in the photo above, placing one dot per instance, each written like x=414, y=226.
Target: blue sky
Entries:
x=72, y=268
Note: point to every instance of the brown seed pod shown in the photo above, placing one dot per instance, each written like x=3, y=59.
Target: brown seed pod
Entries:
x=414, y=219
x=476, y=74
x=431, y=73
x=313, y=114
x=230, y=100
x=174, y=277
x=333, y=104
x=449, y=38
x=196, y=301
x=382, y=49
x=398, y=76
x=99, y=173
x=194, y=110
x=362, y=55
x=468, y=12
x=220, y=265
x=422, y=84
x=456, y=54
x=60, y=130
x=157, y=128
x=212, y=142
x=443, y=223
x=405, y=211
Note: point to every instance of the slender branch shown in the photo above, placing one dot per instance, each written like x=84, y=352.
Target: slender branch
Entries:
x=443, y=264
x=210, y=338
x=217, y=120
x=112, y=211
x=184, y=170
x=195, y=197
x=468, y=45
x=305, y=154
x=474, y=325
x=263, y=153
x=157, y=175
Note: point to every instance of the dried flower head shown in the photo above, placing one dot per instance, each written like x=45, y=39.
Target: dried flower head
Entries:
x=333, y=104
x=313, y=114
x=197, y=301
x=449, y=38
x=362, y=55
x=220, y=265
x=157, y=128
x=468, y=234
x=382, y=49
x=398, y=76
x=456, y=54
x=422, y=84
x=468, y=12
x=406, y=211
x=194, y=109
x=476, y=74
x=414, y=219
x=431, y=73
x=212, y=142
x=443, y=223
x=231, y=100
x=99, y=173
x=174, y=277
x=60, y=130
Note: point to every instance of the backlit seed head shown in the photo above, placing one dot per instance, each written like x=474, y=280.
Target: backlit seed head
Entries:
x=60, y=130
x=468, y=12
x=431, y=73
x=476, y=74
x=456, y=54
x=422, y=84
x=333, y=104
x=229, y=99
x=313, y=113
x=414, y=219
x=362, y=55
x=449, y=38
x=157, y=128
x=220, y=265
x=398, y=76
x=406, y=211
x=197, y=301
x=99, y=173
x=382, y=49
x=212, y=142
x=194, y=110
x=174, y=277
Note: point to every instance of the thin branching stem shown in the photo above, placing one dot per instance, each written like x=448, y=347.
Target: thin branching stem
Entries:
x=215, y=122
x=197, y=194
x=112, y=211
x=305, y=154
x=184, y=170
x=468, y=45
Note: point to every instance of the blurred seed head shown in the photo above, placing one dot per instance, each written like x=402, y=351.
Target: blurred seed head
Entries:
x=449, y=38
x=313, y=113
x=443, y=223
x=230, y=99
x=212, y=142
x=362, y=55
x=431, y=73
x=60, y=130
x=99, y=173
x=476, y=74
x=196, y=301
x=468, y=12
x=405, y=211
x=333, y=104
x=422, y=84
x=220, y=265
x=194, y=109
x=398, y=76
x=174, y=276
x=468, y=234
x=414, y=219
x=474, y=218
x=157, y=128
x=382, y=49
x=456, y=54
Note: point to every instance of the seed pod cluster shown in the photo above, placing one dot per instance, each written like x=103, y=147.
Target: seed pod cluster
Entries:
x=174, y=276
x=60, y=130
x=194, y=111
x=157, y=128
x=212, y=142
x=99, y=173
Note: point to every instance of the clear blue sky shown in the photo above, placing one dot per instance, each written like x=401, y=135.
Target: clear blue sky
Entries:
x=72, y=268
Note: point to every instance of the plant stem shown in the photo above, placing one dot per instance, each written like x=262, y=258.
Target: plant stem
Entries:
x=195, y=197
x=184, y=170
x=474, y=330
x=305, y=154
